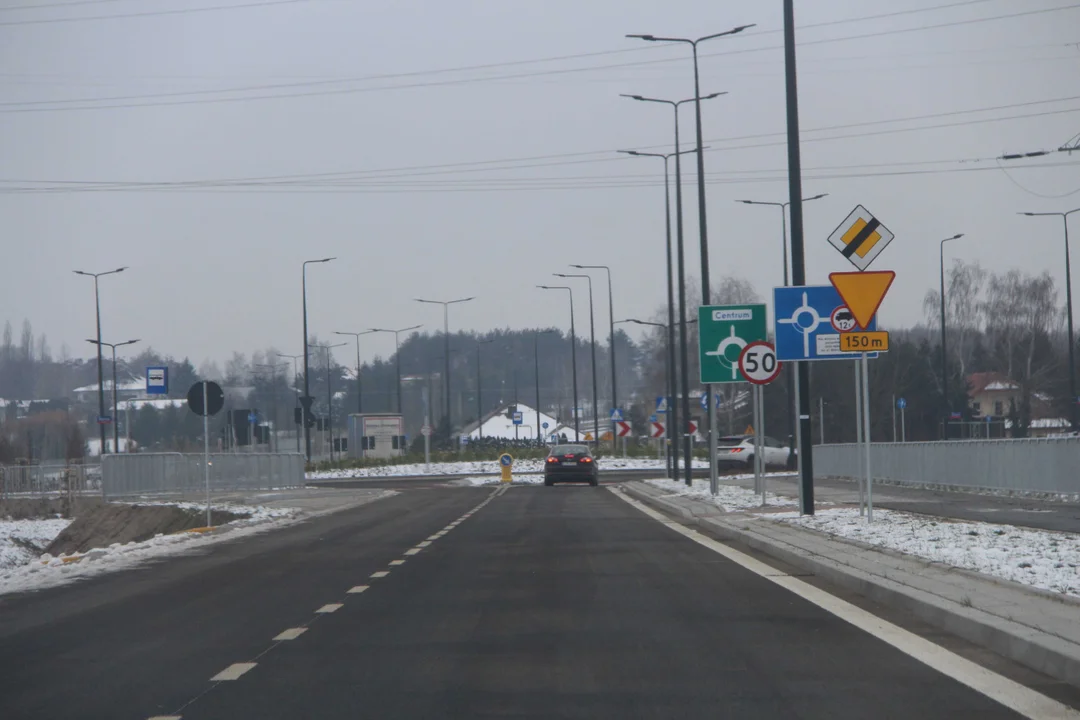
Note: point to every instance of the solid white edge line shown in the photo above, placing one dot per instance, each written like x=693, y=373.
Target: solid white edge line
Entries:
x=1011, y=694
x=233, y=672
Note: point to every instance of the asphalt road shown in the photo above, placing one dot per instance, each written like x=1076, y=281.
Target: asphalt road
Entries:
x=527, y=602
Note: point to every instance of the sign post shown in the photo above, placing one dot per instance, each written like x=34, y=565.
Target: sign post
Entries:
x=902, y=404
x=206, y=398
x=758, y=364
x=723, y=332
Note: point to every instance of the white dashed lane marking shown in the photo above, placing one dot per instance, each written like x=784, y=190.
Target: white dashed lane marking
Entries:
x=412, y=551
x=329, y=608
x=397, y=562
x=165, y=717
x=380, y=574
x=291, y=634
x=357, y=589
x=423, y=544
x=233, y=672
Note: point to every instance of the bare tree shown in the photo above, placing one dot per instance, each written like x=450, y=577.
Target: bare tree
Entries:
x=964, y=309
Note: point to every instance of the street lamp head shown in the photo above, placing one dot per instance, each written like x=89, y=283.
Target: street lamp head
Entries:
x=129, y=342
x=710, y=96
x=816, y=197
x=632, y=97
x=92, y=342
x=642, y=37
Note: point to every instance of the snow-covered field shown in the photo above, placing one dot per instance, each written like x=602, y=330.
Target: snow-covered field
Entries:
x=1039, y=558
x=482, y=468
x=29, y=571
x=20, y=538
x=729, y=497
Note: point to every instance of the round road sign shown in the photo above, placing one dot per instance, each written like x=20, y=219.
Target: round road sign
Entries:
x=215, y=398
x=842, y=319
x=506, y=460
x=544, y=425
x=758, y=363
x=425, y=430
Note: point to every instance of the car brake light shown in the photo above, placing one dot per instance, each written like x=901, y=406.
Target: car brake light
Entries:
x=553, y=459
x=736, y=450
x=586, y=459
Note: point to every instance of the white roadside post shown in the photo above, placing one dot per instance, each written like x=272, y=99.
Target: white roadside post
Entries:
x=858, y=437
x=760, y=434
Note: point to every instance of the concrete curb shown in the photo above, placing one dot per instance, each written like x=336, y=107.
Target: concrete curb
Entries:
x=1042, y=651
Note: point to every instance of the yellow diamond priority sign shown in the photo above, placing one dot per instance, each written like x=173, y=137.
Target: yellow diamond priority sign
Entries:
x=860, y=238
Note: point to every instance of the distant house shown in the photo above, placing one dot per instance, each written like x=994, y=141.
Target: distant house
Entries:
x=126, y=389
x=992, y=394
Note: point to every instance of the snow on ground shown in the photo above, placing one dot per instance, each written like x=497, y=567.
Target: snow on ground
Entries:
x=489, y=480
x=483, y=467
x=18, y=538
x=729, y=497
x=1039, y=558
x=35, y=573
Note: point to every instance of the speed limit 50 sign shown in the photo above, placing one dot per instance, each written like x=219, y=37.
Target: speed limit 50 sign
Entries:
x=758, y=363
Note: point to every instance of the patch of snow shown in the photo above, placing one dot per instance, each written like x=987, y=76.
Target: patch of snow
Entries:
x=490, y=480
x=729, y=497
x=19, y=537
x=1039, y=558
x=47, y=571
x=482, y=467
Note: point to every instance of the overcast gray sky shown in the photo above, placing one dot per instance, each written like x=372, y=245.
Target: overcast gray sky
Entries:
x=444, y=183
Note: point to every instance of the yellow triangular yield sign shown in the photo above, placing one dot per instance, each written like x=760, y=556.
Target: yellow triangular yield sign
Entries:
x=588, y=436
x=862, y=292
x=749, y=430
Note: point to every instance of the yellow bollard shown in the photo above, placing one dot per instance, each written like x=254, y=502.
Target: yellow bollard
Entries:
x=506, y=462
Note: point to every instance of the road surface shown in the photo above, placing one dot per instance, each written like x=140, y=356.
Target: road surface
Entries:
x=529, y=602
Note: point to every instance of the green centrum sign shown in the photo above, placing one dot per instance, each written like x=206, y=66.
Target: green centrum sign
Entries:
x=723, y=332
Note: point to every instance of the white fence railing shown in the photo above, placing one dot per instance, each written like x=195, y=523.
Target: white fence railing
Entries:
x=151, y=474
x=45, y=481
x=1030, y=465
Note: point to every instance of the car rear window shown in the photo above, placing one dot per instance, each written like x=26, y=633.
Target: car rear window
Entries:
x=569, y=450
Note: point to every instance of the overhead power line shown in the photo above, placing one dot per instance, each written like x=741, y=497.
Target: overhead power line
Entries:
x=147, y=13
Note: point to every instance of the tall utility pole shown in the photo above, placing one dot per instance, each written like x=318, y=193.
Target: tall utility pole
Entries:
x=671, y=416
x=296, y=374
x=479, y=392
x=536, y=362
x=798, y=258
x=790, y=369
x=592, y=342
x=115, y=422
x=1074, y=400
x=397, y=356
x=100, y=362
x=446, y=336
x=305, y=401
x=359, y=383
x=611, y=322
x=330, y=396
x=944, y=355
x=573, y=352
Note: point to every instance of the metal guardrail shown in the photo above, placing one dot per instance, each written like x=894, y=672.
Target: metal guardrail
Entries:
x=153, y=474
x=48, y=481
x=1023, y=466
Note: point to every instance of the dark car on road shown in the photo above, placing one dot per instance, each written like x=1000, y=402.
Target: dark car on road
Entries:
x=571, y=463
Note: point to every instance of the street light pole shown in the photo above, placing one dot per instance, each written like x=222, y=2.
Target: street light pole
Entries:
x=359, y=384
x=305, y=402
x=793, y=409
x=944, y=355
x=1074, y=401
x=296, y=372
x=115, y=422
x=446, y=335
x=669, y=374
x=100, y=362
x=573, y=352
x=330, y=396
x=611, y=322
x=682, y=427
x=397, y=356
x=479, y=392
x=536, y=361
x=273, y=368
x=592, y=333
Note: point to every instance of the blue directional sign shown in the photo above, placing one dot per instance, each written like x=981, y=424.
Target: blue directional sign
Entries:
x=901, y=403
x=704, y=401
x=616, y=415
x=253, y=418
x=661, y=404
x=804, y=324
x=652, y=418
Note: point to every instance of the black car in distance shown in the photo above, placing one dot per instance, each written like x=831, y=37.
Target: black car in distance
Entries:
x=571, y=463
